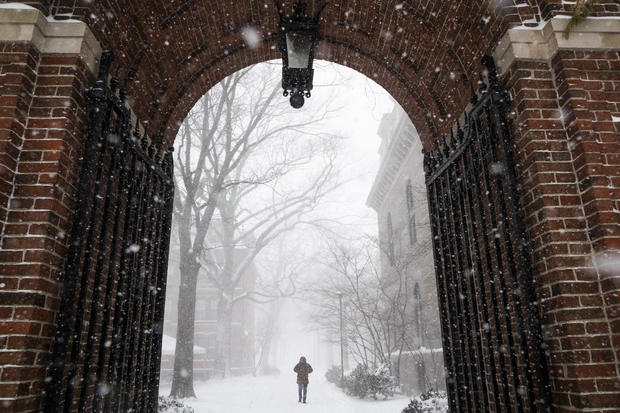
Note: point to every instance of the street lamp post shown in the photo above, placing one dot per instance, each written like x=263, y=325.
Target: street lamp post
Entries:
x=298, y=39
x=341, y=341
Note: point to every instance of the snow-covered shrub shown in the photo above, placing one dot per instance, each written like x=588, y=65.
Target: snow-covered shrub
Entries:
x=381, y=382
x=170, y=405
x=428, y=402
x=356, y=383
x=362, y=382
x=333, y=375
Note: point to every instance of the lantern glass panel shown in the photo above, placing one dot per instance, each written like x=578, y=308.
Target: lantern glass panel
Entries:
x=298, y=47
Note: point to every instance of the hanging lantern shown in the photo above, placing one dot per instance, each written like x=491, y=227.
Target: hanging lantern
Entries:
x=298, y=39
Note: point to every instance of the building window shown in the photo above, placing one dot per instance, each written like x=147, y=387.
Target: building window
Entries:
x=409, y=195
x=390, y=236
x=418, y=314
x=413, y=236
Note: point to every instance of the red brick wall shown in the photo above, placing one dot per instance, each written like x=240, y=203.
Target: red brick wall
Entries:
x=170, y=53
x=40, y=125
x=569, y=167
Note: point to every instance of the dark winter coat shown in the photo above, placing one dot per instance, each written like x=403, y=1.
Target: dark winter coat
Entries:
x=302, y=369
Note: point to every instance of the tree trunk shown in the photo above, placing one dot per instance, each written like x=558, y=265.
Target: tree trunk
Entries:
x=183, y=375
x=270, y=332
x=223, y=336
x=396, y=366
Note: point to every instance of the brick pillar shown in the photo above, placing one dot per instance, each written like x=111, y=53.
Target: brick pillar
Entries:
x=568, y=151
x=44, y=67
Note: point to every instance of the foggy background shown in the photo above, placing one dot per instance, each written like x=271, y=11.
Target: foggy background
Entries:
x=268, y=276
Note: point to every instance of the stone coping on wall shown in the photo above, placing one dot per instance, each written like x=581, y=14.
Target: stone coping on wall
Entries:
x=49, y=36
x=543, y=41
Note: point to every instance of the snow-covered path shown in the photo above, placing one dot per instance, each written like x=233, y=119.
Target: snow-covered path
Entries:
x=279, y=395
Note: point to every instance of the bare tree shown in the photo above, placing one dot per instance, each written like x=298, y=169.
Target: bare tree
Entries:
x=235, y=118
x=252, y=216
x=377, y=312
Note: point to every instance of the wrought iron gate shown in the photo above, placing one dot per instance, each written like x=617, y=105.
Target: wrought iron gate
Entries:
x=493, y=349
x=108, y=342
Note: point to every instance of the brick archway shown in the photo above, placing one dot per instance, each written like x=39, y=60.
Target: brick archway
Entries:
x=565, y=106
x=424, y=54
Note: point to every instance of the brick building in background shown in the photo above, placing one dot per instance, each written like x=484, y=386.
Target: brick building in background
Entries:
x=398, y=195
x=564, y=132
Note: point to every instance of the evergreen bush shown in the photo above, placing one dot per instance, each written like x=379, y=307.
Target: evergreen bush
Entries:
x=362, y=382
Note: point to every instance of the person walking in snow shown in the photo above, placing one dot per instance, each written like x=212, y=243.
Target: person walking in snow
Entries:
x=302, y=369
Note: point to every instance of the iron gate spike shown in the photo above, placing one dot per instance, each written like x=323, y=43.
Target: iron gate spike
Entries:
x=452, y=142
x=446, y=147
x=114, y=82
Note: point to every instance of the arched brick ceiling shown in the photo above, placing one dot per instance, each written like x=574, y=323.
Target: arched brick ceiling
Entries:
x=170, y=52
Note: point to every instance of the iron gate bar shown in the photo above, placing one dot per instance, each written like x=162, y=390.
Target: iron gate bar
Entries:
x=445, y=302
x=459, y=292
x=497, y=257
x=151, y=297
x=160, y=293
x=463, y=358
x=101, y=248
x=141, y=258
x=128, y=312
x=130, y=297
x=143, y=302
x=113, y=267
x=469, y=276
x=147, y=324
x=446, y=336
x=122, y=283
x=470, y=184
x=480, y=249
x=453, y=300
x=144, y=380
x=162, y=268
x=124, y=296
x=478, y=163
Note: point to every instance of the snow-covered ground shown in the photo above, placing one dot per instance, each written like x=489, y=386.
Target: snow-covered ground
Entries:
x=279, y=395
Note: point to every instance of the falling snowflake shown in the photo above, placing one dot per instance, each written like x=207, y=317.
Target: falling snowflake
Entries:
x=132, y=249
x=251, y=36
